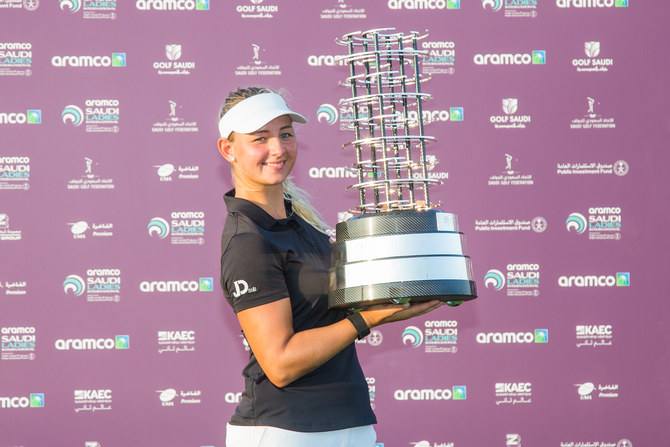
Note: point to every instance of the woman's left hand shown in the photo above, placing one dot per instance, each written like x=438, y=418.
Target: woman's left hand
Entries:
x=379, y=314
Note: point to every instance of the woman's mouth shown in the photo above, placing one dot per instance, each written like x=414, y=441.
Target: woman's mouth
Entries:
x=275, y=164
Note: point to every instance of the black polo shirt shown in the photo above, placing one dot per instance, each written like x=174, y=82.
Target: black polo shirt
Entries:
x=264, y=260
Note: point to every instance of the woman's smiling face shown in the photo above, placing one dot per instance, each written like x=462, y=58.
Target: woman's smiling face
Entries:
x=264, y=157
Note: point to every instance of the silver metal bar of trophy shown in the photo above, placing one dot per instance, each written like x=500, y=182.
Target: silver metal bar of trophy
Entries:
x=398, y=247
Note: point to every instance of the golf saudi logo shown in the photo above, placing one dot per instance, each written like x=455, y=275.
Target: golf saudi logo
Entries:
x=576, y=222
x=494, y=278
x=327, y=113
x=592, y=49
x=72, y=114
x=510, y=105
x=158, y=227
x=73, y=285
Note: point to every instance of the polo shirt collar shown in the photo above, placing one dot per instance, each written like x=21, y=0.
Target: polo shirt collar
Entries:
x=255, y=212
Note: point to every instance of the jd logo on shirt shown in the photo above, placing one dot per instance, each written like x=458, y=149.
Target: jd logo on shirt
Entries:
x=241, y=287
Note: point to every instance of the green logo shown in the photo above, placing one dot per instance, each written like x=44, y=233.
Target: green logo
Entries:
x=202, y=5
x=459, y=393
x=539, y=57
x=623, y=279
x=456, y=114
x=206, y=284
x=118, y=59
x=37, y=400
x=122, y=342
x=34, y=116
x=621, y=3
x=541, y=335
x=453, y=4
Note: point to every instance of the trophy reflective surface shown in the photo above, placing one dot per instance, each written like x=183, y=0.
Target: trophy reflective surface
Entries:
x=398, y=247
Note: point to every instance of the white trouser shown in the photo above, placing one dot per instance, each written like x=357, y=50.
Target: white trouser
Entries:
x=262, y=436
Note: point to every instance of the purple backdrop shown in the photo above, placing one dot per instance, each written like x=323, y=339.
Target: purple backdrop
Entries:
x=552, y=136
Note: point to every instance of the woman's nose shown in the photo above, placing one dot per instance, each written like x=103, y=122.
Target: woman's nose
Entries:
x=276, y=146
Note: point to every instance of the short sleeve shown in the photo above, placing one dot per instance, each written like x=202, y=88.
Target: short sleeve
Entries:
x=252, y=272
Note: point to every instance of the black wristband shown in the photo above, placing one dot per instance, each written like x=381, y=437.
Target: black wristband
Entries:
x=359, y=323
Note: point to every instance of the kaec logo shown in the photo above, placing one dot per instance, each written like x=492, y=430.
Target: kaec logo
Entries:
x=167, y=336
x=521, y=387
x=602, y=330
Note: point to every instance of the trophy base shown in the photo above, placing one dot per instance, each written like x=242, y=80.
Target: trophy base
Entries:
x=398, y=257
x=449, y=291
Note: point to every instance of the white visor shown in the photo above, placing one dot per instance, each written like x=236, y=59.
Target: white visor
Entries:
x=254, y=112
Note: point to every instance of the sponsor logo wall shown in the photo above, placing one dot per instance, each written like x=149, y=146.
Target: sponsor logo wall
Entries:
x=551, y=133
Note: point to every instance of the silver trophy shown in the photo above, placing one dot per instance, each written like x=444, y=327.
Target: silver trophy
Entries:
x=398, y=247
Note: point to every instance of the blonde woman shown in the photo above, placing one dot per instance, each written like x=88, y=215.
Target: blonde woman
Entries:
x=303, y=383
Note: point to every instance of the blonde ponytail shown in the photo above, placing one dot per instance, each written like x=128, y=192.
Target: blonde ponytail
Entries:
x=299, y=199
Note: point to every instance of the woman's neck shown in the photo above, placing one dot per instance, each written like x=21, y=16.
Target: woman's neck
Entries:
x=270, y=199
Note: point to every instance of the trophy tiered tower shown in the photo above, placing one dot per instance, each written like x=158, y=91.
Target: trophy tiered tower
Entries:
x=398, y=247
